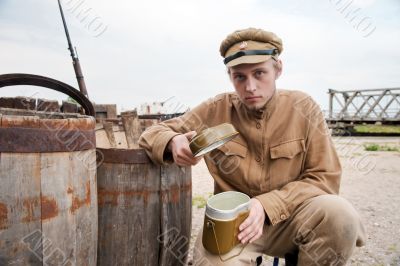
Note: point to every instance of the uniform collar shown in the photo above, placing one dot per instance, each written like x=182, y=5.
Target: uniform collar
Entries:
x=261, y=113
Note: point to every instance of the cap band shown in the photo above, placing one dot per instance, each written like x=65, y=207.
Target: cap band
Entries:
x=250, y=52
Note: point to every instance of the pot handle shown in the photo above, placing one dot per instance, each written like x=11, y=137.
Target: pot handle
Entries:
x=211, y=224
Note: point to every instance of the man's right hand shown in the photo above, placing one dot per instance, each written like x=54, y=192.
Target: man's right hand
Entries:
x=179, y=146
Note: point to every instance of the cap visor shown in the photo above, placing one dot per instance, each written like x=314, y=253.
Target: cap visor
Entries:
x=248, y=59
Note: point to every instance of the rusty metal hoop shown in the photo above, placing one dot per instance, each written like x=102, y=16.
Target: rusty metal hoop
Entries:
x=41, y=81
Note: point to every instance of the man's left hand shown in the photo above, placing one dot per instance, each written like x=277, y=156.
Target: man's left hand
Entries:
x=252, y=228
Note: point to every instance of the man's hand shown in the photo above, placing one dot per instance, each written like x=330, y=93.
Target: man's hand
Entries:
x=252, y=228
x=179, y=146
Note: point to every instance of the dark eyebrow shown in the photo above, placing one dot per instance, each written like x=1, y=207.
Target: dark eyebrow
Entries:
x=237, y=73
x=259, y=69
x=252, y=71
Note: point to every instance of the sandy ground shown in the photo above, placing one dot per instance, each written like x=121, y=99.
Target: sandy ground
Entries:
x=371, y=182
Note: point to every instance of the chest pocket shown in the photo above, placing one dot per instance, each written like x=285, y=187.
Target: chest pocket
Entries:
x=286, y=162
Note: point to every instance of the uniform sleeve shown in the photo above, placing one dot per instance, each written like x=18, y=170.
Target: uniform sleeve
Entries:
x=321, y=172
x=156, y=138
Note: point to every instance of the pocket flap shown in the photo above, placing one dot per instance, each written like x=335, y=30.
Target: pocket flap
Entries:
x=234, y=148
x=287, y=149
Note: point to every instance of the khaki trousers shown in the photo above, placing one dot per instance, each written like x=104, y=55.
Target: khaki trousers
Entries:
x=324, y=230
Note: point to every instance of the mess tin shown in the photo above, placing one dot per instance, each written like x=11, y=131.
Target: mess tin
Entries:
x=224, y=213
x=211, y=138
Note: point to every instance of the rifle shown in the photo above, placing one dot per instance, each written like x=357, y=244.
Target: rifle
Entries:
x=74, y=55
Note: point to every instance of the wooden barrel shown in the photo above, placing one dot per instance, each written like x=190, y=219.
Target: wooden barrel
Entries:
x=144, y=209
x=48, y=199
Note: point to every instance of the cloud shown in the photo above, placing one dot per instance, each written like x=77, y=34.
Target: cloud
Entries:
x=155, y=49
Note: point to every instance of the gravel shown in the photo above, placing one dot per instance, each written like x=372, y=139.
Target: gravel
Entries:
x=370, y=181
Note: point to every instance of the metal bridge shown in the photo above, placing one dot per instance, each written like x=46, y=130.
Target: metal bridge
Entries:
x=370, y=106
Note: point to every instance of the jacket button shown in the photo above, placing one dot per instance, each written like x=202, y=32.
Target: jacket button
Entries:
x=283, y=217
x=258, y=125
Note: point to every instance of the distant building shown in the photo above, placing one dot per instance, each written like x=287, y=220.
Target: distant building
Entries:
x=162, y=108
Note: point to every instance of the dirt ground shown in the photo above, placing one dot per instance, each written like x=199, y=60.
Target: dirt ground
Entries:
x=370, y=181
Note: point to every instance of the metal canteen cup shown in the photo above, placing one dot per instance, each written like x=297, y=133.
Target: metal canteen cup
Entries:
x=212, y=138
x=224, y=213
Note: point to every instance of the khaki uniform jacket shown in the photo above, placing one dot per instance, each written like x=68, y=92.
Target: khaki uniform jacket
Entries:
x=283, y=156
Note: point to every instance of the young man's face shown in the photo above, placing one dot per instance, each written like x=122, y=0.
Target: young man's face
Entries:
x=255, y=83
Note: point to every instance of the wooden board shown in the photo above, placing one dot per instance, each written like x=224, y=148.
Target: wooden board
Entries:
x=129, y=210
x=20, y=225
x=40, y=114
x=176, y=214
x=84, y=206
x=108, y=128
x=132, y=128
x=59, y=225
x=48, y=201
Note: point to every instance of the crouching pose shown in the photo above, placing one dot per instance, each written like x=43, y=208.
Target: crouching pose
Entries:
x=283, y=158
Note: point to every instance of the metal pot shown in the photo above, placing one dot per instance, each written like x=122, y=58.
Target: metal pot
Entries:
x=224, y=213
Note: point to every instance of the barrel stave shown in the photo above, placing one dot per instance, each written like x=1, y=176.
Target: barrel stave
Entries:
x=48, y=200
x=129, y=208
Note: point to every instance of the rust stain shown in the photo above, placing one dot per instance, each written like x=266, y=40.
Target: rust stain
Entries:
x=15, y=249
x=107, y=197
x=188, y=189
x=30, y=204
x=82, y=123
x=49, y=208
x=175, y=194
x=53, y=124
x=131, y=193
x=20, y=121
x=77, y=202
x=3, y=216
x=172, y=194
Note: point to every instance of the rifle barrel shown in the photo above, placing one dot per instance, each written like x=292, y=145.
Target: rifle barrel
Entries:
x=75, y=59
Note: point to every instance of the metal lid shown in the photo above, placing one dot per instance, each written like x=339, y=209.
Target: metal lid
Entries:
x=212, y=138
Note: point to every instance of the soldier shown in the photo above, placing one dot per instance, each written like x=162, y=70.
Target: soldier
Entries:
x=283, y=158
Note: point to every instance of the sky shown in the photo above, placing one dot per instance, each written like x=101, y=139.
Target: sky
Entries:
x=134, y=52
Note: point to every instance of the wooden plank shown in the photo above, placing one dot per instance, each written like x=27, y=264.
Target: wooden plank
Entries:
x=145, y=123
x=104, y=111
x=84, y=206
x=71, y=230
x=58, y=225
x=120, y=138
x=25, y=103
x=127, y=122
x=11, y=121
x=20, y=210
x=129, y=210
x=132, y=127
x=48, y=105
x=176, y=210
x=6, y=102
x=68, y=107
x=40, y=114
x=102, y=138
x=108, y=128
